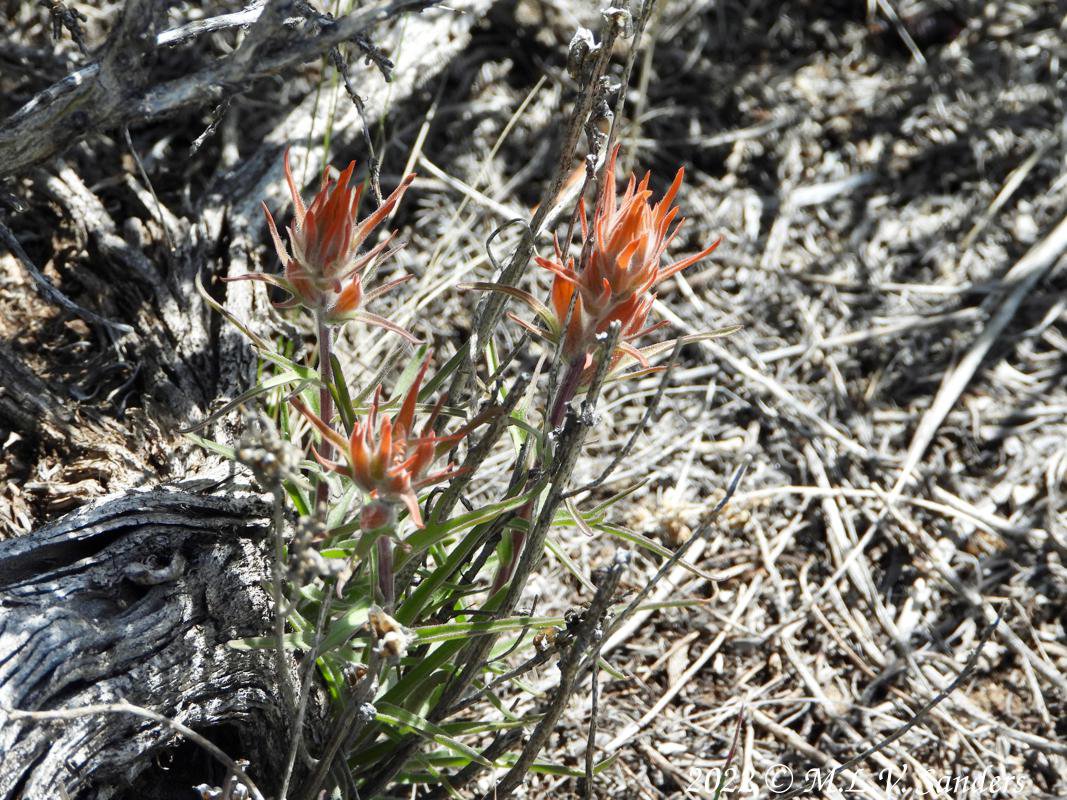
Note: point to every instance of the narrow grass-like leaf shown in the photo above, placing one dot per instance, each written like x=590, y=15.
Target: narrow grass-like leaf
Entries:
x=598, y=511
x=261, y=388
x=412, y=608
x=548, y=768
x=293, y=641
x=536, y=305
x=342, y=628
x=434, y=533
x=464, y=630
x=411, y=369
x=568, y=562
x=223, y=450
x=435, y=659
x=262, y=346
x=339, y=510
x=478, y=726
x=438, y=779
x=339, y=389
x=296, y=495
x=648, y=544
x=397, y=717
x=423, y=670
x=443, y=374
x=591, y=519
x=616, y=674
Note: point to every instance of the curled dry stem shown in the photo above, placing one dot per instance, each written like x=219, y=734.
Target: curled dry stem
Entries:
x=491, y=308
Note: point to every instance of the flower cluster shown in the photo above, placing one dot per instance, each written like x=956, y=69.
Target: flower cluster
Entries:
x=385, y=457
x=324, y=272
x=619, y=268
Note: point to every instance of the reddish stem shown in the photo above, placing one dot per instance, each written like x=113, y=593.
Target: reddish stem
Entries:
x=386, y=579
x=325, y=342
x=518, y=539
x=567, y=389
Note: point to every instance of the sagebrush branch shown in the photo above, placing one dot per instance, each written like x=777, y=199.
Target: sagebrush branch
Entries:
x=100, y=96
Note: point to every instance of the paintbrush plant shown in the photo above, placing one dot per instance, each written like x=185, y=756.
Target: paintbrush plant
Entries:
x=619, y=266
x=378, y=548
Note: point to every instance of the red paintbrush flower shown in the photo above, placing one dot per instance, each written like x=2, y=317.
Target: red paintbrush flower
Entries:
x=621, y=262
x=385, y=457
x=620, y=267
x=324, y=272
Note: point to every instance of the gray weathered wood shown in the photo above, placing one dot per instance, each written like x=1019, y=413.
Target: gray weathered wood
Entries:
x=118, y=90
x=136, y=597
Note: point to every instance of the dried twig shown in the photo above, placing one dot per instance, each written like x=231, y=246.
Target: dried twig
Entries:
x=122, y=707
x=919, y=716
x=491, y=308
x=650, y=409
x=64, y=16
x=374, y=167
x=679, y=553
x=590, y=739
x=474, y=656
x=585, y=634
x=693, y=669
x=297, y=743
x=50, y=292
x=357, y=714
x=109, y=96
x=1017, y=284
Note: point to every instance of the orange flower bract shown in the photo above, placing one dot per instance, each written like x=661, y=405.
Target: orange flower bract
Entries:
x=385, y=457
x=620, y=266
x=621, y=263
x=324, y=271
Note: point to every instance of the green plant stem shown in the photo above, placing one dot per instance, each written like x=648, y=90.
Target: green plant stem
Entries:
x=325, y=343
